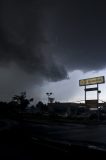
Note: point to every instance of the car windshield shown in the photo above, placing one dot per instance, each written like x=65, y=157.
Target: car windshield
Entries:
x=52, y=74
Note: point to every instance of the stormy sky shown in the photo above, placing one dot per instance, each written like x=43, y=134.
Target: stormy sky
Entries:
x=43, y=40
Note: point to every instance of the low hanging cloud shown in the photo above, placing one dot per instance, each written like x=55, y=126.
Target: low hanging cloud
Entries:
x=47, y=39
x=52, y=38
x=23, y=41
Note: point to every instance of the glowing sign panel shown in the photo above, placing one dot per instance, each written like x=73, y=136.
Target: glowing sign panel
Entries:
x=92, y=81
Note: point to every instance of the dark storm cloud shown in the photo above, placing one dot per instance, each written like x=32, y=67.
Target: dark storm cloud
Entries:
x=48, y=39
x=14, y=81
x=79, y=35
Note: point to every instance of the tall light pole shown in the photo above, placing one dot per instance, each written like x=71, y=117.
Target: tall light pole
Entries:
x=49, y=94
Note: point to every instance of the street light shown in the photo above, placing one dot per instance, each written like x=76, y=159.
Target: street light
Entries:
x=49, y=94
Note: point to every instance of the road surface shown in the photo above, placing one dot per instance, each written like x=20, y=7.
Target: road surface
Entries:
x=14, y=143
x=64, y=132
x=69, y=132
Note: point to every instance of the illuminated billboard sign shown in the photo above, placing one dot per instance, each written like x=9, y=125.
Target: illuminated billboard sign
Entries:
x=92, y=81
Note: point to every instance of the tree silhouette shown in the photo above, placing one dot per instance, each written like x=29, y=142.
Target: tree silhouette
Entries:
x=41, y=107
x=21, y=100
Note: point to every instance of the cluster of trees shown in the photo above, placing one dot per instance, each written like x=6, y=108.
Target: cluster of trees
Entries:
x=18, y=104
x=21, y=101
x=41, y=107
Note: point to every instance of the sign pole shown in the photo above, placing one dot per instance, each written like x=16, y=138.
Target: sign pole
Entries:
x=85, y=94
x=93, y=81
x=97, y=95
x=98, y=100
